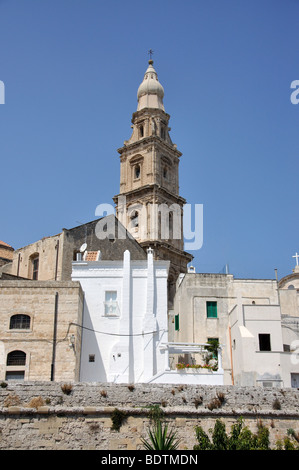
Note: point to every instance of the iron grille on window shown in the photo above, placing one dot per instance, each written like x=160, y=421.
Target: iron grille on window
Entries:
x=16, y=358
x=21, y=322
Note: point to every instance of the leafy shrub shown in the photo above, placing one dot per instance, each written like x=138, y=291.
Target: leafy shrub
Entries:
x=240, y=438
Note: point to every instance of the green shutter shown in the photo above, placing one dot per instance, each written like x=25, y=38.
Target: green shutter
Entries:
x=176, y=322
x=212, y=309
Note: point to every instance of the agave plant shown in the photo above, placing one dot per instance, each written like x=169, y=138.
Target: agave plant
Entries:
x=159, y=440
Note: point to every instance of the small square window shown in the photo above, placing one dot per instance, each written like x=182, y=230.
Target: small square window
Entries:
x=211, y=309
x=91, y=358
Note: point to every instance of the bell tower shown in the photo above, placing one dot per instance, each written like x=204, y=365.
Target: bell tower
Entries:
x=149, y=204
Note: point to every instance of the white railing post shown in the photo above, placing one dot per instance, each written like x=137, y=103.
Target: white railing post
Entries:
x=219, y=359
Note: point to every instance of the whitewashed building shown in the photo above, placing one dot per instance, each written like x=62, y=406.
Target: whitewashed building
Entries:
x=125, y=324
x=124, y=318
x=255, y=321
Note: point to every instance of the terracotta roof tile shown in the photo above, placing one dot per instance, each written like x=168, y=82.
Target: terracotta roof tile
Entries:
x=91, y=256
x=5, y=244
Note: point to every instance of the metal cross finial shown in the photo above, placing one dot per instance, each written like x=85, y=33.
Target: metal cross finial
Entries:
x=296, y=256
x=150, y=53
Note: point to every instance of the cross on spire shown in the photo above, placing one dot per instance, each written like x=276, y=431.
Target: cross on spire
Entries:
x=150, y=52
x=296, y=256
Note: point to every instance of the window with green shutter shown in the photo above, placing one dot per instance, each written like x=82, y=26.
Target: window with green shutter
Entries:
x=176, y=322
x=211, y=309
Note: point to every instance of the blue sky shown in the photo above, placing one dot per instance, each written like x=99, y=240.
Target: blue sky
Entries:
x=71, y=70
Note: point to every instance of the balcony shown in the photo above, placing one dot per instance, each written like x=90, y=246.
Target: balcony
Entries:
x=195, y=375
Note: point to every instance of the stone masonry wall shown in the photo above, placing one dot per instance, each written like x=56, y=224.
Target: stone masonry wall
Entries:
x=42, y=415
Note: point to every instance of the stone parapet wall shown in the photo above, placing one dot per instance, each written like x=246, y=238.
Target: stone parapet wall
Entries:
x=43, y=415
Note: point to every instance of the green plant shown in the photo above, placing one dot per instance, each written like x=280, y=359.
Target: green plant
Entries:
x=240, y=438
x=160, y=439
x=155, y=413
x=117, y=417
x=3, y=385
x=292, y=433
x=181, y=366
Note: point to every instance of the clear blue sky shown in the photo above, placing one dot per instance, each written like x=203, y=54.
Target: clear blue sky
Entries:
x=71, y=70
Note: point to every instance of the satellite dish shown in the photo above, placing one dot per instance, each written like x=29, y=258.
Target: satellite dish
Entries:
x=83, y=247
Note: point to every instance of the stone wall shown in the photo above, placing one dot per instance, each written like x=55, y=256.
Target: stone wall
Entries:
x=57, y=416
x=47, y=303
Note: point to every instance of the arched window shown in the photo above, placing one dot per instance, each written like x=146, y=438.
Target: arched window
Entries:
x=19, y=322
x=16, y=358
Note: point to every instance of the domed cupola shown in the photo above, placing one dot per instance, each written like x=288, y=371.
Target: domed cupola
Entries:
x=150, y=93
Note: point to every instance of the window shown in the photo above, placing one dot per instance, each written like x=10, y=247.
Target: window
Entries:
x=141, y=132
x=15, y=375
x=111, y=305
x=137, y=171
x=34, y=266
x=134, y=219
x=19, y=322
x=264, y=342
x=211, y=309
x=16, y=358
x=176, y=322
x=91, y=358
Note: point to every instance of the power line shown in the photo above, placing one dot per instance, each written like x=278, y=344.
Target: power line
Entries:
x=114, y=334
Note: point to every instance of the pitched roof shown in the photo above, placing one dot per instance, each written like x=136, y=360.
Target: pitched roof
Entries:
x=6, y=245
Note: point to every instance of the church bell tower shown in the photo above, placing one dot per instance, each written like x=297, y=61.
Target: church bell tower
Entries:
x=149, y=204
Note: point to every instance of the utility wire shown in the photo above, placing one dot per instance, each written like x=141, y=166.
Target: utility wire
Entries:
x=114, y=334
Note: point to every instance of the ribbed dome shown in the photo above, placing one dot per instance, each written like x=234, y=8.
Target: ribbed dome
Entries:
x=150, y=86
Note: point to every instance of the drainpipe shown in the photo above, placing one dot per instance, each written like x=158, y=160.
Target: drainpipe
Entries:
x=19, y=261
x=54, y=337
x=57, y=251
x=231, y=354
